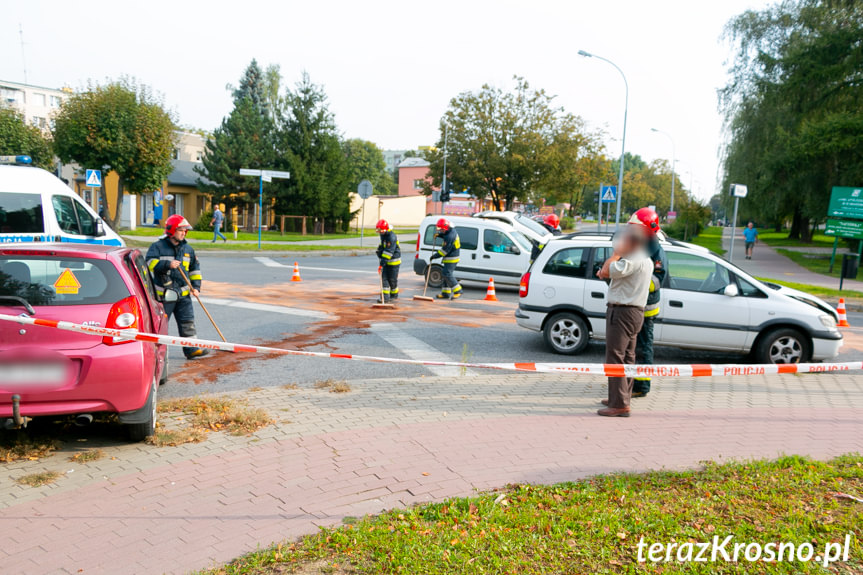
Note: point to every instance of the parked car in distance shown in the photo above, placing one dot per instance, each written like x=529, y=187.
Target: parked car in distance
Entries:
x=58, y=372
x=490, y=248
x=36, y=206
x=528, y=226
x=707, y=303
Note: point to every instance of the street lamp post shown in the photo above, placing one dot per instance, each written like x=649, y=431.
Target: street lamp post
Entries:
x=673, y=162
x=623, y=139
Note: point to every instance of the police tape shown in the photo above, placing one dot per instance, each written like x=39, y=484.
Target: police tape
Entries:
x=603, y=369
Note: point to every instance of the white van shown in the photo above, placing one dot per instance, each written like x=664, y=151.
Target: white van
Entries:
x=489, y=249
x=35, y=206
x=534, y=230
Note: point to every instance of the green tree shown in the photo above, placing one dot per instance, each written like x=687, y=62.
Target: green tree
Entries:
x=510, y=146
x=16, y=137
x=309, y=145
x=245, y=139
x=120, y=127
x=794, y=109
x=365, y=161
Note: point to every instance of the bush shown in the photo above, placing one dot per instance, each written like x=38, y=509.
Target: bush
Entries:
x=567, y=223
x=680, y=231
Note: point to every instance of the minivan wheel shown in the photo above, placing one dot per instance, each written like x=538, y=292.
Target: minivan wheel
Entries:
x=566, y=333
x=783, y=345
x=435, y=276
x=141, y=431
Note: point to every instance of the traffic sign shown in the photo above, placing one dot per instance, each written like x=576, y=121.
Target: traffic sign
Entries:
x=365, y=189
x=94, y=178
x=609, y=194
x=739, y=190
x=844, y=228
x=846, y=203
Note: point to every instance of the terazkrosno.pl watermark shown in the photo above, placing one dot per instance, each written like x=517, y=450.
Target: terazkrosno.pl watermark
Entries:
x=730, y=551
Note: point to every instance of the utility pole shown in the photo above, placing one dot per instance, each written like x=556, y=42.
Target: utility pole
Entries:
x=443, y=180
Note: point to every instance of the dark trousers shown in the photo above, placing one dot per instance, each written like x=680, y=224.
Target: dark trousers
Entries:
x=390, y=278
x=622, y=324
x=644, y=354
x=184, y=314
x=450, y=284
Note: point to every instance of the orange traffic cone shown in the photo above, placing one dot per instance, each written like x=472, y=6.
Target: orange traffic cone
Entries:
x=296, y=277
x=489, y=294
x=843, y=316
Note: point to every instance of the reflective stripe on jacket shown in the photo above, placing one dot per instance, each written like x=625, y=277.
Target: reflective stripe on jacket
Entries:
x=450, y=247
x=159, y=257
x=389, y=251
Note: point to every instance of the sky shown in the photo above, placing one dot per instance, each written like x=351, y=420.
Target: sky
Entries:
x=391, y=68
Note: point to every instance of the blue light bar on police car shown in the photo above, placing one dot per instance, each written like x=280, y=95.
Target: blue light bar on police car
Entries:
x=16, y=160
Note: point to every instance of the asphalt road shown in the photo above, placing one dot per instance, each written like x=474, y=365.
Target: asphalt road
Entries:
x=253, y=301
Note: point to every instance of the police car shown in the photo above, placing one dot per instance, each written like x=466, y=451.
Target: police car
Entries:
x=36, y=206
x=707, y=303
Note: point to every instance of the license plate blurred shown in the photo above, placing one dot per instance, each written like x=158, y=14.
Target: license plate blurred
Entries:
x=16, y=377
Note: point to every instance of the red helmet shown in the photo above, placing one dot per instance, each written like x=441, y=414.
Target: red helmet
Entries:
x=176, y=222
x=552, y=220
x=382, y=226
x=647, y=218
x=444, y=224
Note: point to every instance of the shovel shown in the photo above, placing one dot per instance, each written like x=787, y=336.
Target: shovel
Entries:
x=191, y=289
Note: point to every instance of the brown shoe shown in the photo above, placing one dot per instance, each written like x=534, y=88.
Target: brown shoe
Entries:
x=614, y=412
x=604, y=402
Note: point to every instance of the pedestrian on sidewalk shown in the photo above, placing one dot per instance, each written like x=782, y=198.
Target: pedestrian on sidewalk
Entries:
x=750, y=234
x=390, y=259
x=629, y=270
x=449, y=252
x=644, y=342
x=216, y=222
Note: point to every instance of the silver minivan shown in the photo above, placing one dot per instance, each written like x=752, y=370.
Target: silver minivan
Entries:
x=489, y=249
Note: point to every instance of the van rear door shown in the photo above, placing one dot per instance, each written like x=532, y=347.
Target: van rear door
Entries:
x=21, y=217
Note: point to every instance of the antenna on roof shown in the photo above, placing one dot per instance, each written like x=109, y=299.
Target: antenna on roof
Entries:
x=23, y=59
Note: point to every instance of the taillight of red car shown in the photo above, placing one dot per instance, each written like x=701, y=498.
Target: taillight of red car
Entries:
x=524, y=285
x=125, y=314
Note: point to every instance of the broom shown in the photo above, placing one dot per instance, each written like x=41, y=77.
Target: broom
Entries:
x=382, y=305
x=424, y=297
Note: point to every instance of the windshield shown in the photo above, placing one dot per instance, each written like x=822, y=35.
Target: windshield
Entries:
x=522, y=240
x=532, y=225
x=55, y=281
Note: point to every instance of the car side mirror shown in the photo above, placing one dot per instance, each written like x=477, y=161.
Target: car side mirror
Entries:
x=731, y=290
x=100, y=228
x=170, y=296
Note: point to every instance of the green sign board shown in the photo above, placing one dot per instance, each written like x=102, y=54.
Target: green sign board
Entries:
x=846, y=203
x=844, y=228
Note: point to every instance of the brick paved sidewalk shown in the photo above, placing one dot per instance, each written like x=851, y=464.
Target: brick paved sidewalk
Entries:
x=391, y=443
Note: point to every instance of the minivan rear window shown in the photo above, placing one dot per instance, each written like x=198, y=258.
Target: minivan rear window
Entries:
x=469, y=237
x=60, y=281
x=21, y=213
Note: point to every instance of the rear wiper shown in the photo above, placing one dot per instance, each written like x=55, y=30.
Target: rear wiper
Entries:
x=24, y=303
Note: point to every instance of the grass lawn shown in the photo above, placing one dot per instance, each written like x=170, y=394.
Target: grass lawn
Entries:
x=780, y=239
x=710, y=238
x=595, y=525
x=250, y=247
x=818, y=263
x=270, y=236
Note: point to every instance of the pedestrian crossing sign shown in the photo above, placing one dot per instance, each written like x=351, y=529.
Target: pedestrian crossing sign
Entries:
x=609, y=194
x=94, y=178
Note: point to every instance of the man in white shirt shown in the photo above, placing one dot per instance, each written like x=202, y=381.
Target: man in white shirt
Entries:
x=629, y=270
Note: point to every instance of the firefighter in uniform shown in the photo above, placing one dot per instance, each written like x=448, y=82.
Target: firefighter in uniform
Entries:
x=552, y=223
x=449, y=252
x=390, y=258
x=168, y=259
x=644, y=342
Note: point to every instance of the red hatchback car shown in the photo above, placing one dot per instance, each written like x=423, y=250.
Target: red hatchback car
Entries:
x=56, y=372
